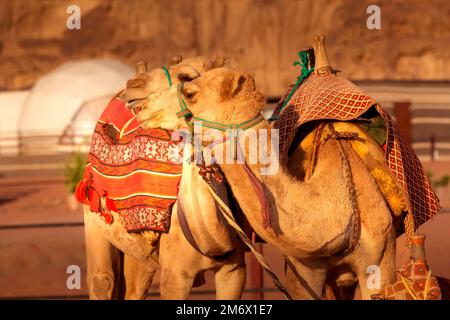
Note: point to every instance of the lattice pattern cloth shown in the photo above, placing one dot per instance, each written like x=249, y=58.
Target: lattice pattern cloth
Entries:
x=137, y=174
x=414, y=280
x=330, y=97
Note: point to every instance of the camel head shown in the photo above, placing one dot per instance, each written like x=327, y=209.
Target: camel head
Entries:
x=220, y=95
x=145, y=83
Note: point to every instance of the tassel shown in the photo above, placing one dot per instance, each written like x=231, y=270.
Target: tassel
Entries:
x=106, y=206
x=110, y=205
x=83, y=191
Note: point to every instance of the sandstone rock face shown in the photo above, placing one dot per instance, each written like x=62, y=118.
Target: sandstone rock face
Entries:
x=262, y=36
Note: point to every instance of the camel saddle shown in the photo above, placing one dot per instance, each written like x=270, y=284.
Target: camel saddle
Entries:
x=132, y=171
x=326, y=96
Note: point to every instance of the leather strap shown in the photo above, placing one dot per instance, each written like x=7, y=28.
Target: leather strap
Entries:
x=259, y=191
x=258, y=188
x=315, y=147
x=185, y=226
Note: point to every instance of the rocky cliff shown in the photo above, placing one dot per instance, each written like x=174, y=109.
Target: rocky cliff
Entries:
x=262, y=36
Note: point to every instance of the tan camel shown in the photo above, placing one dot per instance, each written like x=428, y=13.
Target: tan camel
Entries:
x=313, y=221
x=112, y=276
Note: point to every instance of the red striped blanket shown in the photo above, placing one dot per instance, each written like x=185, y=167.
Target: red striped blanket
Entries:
x=136, y=175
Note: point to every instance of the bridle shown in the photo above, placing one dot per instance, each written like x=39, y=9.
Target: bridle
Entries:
x=186, y=114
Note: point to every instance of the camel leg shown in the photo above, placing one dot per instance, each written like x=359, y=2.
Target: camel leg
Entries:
x=387, y=273
x=176, y=284
x=230, y=278
x=305, y=280
x=138, y=278
x=179, y=275
x=341, y=283
x=103, y=262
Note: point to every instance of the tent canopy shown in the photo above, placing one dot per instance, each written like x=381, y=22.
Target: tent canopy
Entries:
x=55, y=98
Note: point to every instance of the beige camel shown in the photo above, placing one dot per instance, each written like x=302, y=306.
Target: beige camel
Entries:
x=110, y=275
x=313, y=221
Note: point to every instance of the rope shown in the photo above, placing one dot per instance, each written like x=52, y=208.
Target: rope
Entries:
x=355, y=232
x=409, y=224
x=226, y=211
x=166, y=71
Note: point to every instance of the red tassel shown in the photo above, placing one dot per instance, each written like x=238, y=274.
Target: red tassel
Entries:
x=80, y=191
x=110, y=204
x=107, y=217
x=94, y=200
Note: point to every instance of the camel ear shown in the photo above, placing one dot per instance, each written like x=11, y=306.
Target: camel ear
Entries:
x=176, y=59
x=218, y=62
x=136, y=89
x=231, y=85
x=187, y=72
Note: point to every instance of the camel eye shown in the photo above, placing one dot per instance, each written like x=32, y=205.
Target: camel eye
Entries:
x=190, y=91
x=189, y=95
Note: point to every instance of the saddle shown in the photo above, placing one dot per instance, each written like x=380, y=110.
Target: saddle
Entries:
x=132, y=171
x=321, y=95
x=328, y=97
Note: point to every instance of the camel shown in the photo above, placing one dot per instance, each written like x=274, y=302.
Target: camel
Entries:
x=111, y=276
x=314, y=222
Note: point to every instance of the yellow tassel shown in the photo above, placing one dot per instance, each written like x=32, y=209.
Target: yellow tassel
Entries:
x=391, y=192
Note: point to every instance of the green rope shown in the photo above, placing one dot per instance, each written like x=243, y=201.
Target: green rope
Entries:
x=305, y=72
x=189, y=117
x=167, y=75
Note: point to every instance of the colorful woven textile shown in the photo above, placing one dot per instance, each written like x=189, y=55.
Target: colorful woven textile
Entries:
x=415, y=284
x=136, y=175
x=329, y=97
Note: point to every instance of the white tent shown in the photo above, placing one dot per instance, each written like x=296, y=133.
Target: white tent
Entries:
x=56, y=97
x=83, y=121
x=11, y=105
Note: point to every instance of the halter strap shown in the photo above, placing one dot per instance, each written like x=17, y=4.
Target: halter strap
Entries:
x=166, y=71
x=188, y=116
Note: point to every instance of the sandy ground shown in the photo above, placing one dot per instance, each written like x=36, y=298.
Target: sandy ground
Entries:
x=35, y=258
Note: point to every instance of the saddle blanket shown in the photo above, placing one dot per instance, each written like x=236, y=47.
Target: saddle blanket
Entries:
x=136, y=175
x=329, y=97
